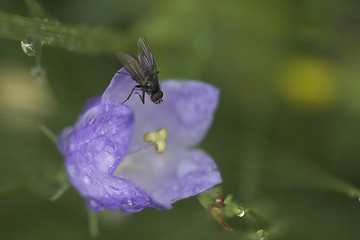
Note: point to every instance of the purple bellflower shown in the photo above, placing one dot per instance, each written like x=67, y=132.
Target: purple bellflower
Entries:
x=111, y=165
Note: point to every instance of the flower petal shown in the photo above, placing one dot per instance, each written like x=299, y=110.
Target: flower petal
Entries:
x=104, y=128
x=93, y=149
x=120, y=87
x=102, y=190
x=171, y=176
x=63, y=140
x=187, y=110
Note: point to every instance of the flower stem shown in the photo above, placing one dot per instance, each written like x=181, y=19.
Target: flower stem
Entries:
x=93, y=224
x=48, y=133
x=60, y=192
x=304, y=173
x=79, y=38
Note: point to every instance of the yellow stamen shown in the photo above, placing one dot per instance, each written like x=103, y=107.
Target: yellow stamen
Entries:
x=158, y=138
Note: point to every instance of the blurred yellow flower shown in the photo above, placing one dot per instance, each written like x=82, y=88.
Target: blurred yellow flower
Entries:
x=23, y=101
x=308, y=82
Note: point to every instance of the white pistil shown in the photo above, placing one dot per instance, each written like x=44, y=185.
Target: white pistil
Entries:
x=158, y=138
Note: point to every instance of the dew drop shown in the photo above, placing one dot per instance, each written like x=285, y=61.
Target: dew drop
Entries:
x=28, y=48
x=87, y=179
x=240, y=212
x=260, y=234
x=130, y=202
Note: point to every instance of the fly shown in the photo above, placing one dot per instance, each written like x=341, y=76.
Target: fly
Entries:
x=143, y=71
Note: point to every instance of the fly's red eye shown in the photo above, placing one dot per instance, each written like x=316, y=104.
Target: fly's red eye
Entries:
x=157, y=97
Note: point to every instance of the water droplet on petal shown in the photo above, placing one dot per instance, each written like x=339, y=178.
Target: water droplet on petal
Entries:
x=73, y=170
x=87, y=179
x=130, y=202
x=28, y=48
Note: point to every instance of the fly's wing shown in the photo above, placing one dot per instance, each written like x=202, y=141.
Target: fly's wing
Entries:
x=146, y=58
x=132, y=66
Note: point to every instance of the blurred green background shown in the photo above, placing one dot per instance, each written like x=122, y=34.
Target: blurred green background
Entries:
x=285, y=137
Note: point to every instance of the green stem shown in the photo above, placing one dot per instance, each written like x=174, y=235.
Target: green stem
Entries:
x=48, y=133
x=60, y=192
x=93, y=224
x=307, y=174
x=79, y=38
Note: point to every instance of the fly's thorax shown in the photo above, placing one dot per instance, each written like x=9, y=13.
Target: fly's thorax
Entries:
x=152, y=85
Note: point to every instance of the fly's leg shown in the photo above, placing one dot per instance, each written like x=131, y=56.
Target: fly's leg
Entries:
x=142, y=96
x=132, y=91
